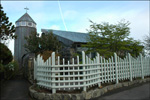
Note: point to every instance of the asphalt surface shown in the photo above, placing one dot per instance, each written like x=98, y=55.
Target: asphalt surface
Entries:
x=15, y=89
x=136, y=92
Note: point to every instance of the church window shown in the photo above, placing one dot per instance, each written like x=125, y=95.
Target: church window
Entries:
x=23, y=23
x=17, y=24
x=34, y=25
x=29, y=24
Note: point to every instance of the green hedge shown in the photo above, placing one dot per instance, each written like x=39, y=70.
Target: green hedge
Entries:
x=10, y=70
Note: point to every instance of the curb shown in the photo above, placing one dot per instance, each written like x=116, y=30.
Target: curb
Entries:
x=83, y=95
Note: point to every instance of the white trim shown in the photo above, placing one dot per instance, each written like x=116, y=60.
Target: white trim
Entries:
x=26, y=24
x=23, y=23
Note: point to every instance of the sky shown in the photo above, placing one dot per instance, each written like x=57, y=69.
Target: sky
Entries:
x=75, y=15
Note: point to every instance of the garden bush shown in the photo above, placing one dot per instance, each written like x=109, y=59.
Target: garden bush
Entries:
x=11, y=70
x=5, y=54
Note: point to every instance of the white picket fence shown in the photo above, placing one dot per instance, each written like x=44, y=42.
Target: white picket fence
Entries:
x=91, y=72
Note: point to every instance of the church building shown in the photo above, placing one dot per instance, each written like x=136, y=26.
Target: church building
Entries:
x=25, y=25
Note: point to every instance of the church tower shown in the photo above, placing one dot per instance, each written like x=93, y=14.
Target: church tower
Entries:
x=25, y=25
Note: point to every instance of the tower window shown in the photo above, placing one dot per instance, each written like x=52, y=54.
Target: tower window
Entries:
x=29, y=24
x=18, y=23
x=33, y=25
x=23, y=23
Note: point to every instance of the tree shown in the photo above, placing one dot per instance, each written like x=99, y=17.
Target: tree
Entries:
x=33, y=42
x=47, y=42
x=147, y=44
x=8, y=68
x=6, y=32
x=108, y=38
x=6, y=28
x=136, y=48
x=5, y=54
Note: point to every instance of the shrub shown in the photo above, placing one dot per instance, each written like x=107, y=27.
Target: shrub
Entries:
x=5, y=54
x=1, y=71
x=11, y=70
x=1, y=68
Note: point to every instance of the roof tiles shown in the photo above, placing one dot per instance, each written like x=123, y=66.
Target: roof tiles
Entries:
x=72, y=36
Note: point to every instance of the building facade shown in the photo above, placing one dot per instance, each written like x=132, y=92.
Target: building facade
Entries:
x=25, y=25
x=71, y=42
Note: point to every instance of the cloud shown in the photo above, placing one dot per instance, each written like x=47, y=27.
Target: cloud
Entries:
x=139, y=20
x=77, y=14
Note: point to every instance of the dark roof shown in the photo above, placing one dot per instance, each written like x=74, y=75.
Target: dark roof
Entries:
x=72, y=36
x=26, y=17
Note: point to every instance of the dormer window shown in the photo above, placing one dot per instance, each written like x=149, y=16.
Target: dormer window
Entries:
x=29, y=24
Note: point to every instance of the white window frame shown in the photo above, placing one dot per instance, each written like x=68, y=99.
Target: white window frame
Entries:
x=23, y=24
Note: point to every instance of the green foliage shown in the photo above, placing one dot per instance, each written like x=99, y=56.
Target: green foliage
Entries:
x=6, y=28
x=135, y=48
x=5, y=54
x=11, y=70
x=47, y=42
x=108, y=38
x=1, y=68
x=32, y=43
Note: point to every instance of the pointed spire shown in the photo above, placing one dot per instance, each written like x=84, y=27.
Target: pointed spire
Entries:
x=26, y=17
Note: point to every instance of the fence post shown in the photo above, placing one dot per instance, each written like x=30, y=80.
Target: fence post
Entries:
x=130, y=67
x=116, y=67
x=84, y=77
x=113, y=67
x=101, y=61
x=35, y=69
x=98, y=66
x=141, y=60
x=53, y=73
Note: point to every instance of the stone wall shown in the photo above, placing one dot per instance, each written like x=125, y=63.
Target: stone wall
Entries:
x=83, y=95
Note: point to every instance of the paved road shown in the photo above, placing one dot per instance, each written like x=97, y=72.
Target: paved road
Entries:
x=137, y=92
x=15, y=89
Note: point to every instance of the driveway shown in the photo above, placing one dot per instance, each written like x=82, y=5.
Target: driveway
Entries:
x=136, y=92
x=15, y=89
